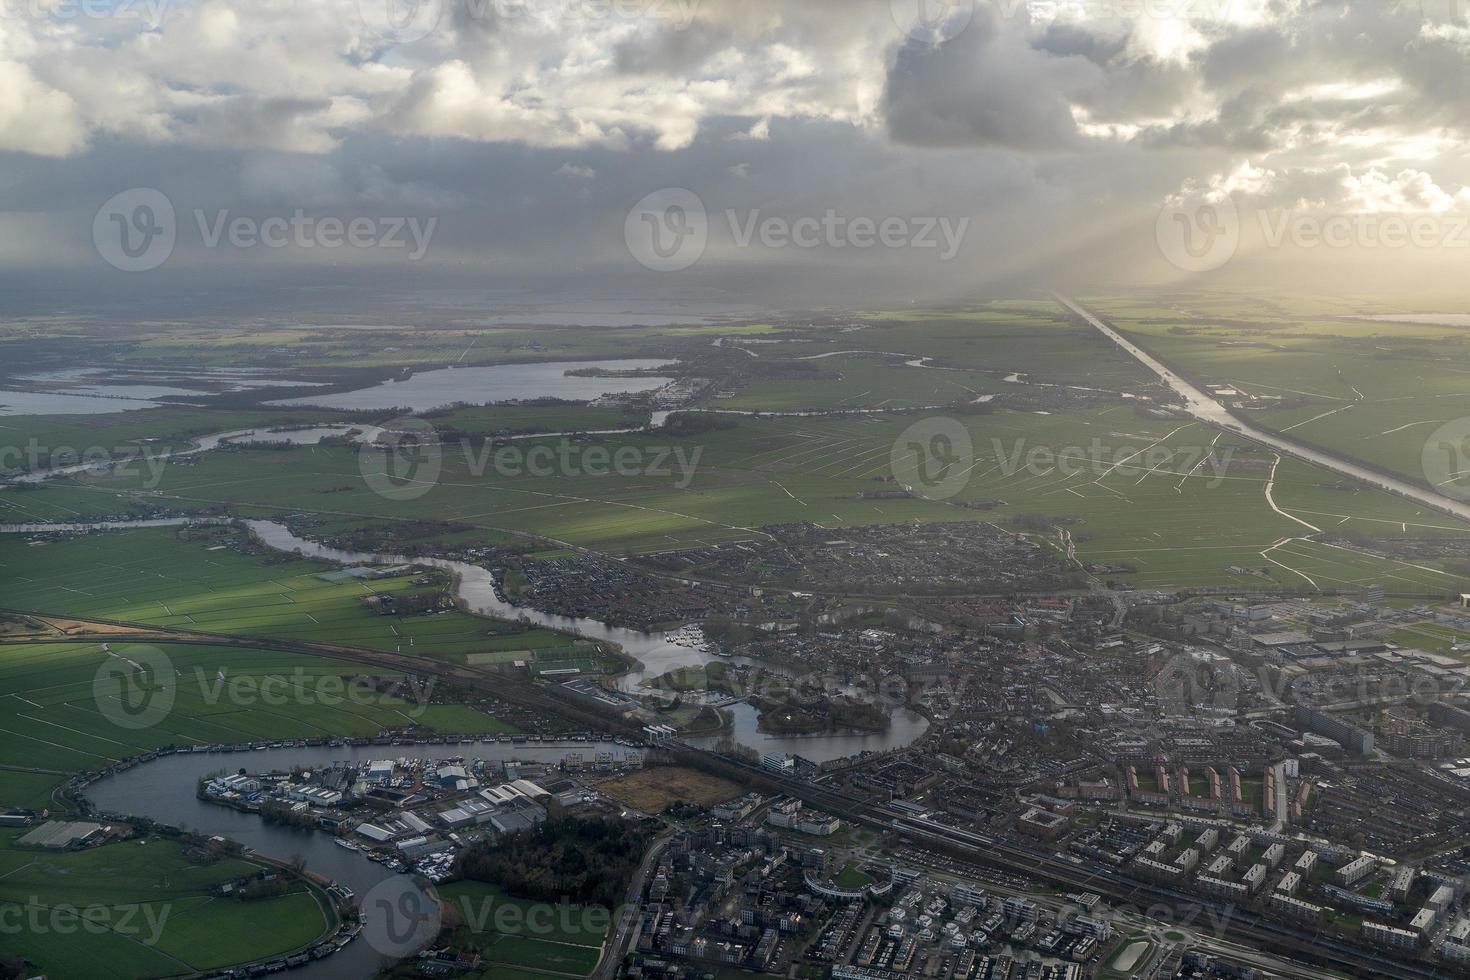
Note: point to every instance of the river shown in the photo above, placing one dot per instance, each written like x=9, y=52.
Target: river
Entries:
x=438, y=388
x=476, y=588
x=164, y=790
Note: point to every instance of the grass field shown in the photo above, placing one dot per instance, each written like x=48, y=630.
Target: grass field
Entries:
x=27, y=790
x=1175, y=513
x=1176, y=521
x=161, y=913
x=512, y=933
x=164, y=578
x=1371, y=390
x=852, y=876
x=52, y=716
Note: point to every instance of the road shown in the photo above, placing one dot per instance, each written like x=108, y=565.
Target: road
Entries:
x=1207, y=409
x=1283, y=943
x=627, y=918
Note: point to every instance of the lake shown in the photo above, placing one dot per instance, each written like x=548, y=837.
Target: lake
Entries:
x=428, y=390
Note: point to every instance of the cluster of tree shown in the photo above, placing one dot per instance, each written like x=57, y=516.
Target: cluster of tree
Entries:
x=258, y=889
x=276, y=811
x=584, y=861
x=697, y=423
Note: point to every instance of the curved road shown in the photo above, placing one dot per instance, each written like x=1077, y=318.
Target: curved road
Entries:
x=1206, y=409
x=628, y=917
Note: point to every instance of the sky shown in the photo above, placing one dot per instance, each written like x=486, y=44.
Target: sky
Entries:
x=162, y=153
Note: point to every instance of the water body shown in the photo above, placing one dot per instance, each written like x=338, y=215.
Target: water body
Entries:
x=96, y=391
x=428, y=390
x=48, y=403
x=309, y=436
x=164, y=790
x=476, y=587
x=904, y=728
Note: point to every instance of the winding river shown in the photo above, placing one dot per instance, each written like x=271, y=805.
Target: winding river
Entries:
x=163, y=790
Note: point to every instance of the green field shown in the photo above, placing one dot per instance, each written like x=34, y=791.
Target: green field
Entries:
x=52, y=716
x=511, y=932
x=142, y=909
x=161, y=577
x=1176, y=521
x=27, y=790
x=1374, y=391
x=852, y=876
x=1176, y=514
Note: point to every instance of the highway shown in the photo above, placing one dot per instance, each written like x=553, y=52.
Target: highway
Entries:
x=1207, y=409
